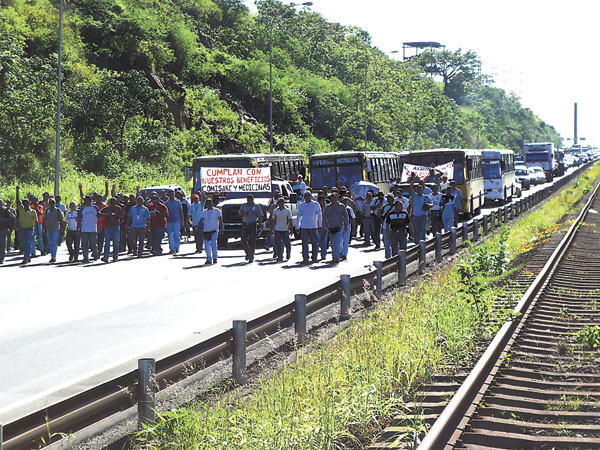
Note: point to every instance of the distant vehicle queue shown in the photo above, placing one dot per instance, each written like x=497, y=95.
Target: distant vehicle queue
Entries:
x=383, y=197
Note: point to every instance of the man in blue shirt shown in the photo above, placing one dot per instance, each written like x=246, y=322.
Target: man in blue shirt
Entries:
x=419, y=204
x=138, y=220
x=195, y=212
x=174, y=220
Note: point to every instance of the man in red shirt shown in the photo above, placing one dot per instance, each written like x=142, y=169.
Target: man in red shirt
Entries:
x=112, y=215
x=39, y=209
x=158, y=223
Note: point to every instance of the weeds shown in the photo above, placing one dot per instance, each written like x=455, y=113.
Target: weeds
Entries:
x=589, y=337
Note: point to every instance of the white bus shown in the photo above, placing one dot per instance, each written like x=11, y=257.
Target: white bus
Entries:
x=499, y=178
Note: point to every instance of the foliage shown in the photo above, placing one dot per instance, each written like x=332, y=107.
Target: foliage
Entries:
x=157, y=83
x=589, y=337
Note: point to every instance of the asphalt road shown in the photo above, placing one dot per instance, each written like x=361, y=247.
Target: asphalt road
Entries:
x=66, y=327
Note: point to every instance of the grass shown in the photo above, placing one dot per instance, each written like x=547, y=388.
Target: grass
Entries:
x=70, y=179
x=338, y=394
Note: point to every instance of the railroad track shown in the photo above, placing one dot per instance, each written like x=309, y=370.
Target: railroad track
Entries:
x=537, y=385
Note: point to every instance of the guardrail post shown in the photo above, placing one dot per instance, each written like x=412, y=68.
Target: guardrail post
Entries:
x=146, y=392
x=402, y=268
x=504, y=214
x=378, y=278
x=465, y=227
x=300, y=318
x=239, y=351
x=475, y=230
x=512, y=212
x=438, y=248
x=486, y=226
x=422, y=256
x=1, y=437
x=345, y=300
x=452, y=240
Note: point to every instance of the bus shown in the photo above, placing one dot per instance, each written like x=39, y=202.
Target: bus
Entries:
x=379, y=168
x=282, y=165
x=468, y=173
x=541, y=154
x=499, y=177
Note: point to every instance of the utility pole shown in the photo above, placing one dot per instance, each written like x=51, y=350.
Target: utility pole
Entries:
x=57, y=169
x=575, y=125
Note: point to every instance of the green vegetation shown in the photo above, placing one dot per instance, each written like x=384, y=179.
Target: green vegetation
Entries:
x=589, y=337
x=338, y=394
x=149, y=85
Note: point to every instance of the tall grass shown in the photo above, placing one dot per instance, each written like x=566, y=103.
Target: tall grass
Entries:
x=337, y=395
x=70, y=179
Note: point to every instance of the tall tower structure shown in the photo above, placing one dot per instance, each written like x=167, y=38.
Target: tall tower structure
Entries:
x=575, y=125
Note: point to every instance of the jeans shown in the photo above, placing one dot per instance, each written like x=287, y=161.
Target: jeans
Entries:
x=72, y=241
x=281, y=240
x=52, y=239
x=345, y=242
x=111, y=234
x=387, y=245
x=8, y=239
x=27, y=241
x=420, y=226
x=436, y=222
x=157, y=236
x=448, y=219
x=369, y=230
x=198, y=238
x=137, y=238
x=174, y=233
x=398, y=241
x=100, y=240
x=249, y=239
x=336, y=244
x=211, y=247
x=323, y=235
x=309, y=234
x=40, y=240
x=3, y=235
x=89, y=241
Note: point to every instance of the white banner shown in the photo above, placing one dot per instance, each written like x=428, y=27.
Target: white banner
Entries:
x=222, y=179
x=422, y=172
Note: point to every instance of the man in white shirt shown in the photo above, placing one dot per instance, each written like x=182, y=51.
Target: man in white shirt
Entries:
x=309, y=219
x=211, y=222
x=435, y=214
x=282, y=227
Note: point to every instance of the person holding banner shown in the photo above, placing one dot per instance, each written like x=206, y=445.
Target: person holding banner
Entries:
x=251, y=213
x=419, y=205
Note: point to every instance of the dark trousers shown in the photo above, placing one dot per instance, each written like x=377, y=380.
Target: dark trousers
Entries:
x=282, y=239
x=3, y=235
x=100, y=241
x=136, y=236
x=249, y=239
x=72, y=241
x=309, y=235
x=157, y=236
x=435, y=219
x=199, y=238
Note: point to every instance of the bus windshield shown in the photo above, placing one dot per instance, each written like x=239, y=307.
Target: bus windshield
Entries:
x=537, y=156
x=328, y=175
x=437, y=159
x=491, y=169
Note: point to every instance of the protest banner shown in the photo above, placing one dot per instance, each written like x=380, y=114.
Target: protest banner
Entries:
x=233, y=179
x=422, y=172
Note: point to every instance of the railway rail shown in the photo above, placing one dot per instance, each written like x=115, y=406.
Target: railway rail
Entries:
x=538, y=383
x=126, y=392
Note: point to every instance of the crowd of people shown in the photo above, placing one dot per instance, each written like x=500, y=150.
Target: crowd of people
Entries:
x=327, y=220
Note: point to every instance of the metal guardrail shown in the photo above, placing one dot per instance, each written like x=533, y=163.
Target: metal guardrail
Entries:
x=126, y=391
x=446, y=425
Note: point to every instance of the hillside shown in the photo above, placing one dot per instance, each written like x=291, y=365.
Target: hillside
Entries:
x=149, y=85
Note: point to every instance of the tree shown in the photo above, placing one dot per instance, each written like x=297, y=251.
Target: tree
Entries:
x=456, y=69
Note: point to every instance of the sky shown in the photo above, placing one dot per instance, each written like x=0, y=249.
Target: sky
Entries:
x=546, y=52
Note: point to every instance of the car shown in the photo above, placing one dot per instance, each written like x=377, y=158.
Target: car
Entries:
x=162, y=190
x=538, y=173
x=523, y=176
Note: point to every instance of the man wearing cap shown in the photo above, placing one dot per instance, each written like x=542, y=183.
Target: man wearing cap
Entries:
x=309, y=219
x=28, y=220
x=382, y=213
x=195, y=213
x=251, y=214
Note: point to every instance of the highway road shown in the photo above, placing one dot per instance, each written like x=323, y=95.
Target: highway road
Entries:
x=66, y=327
